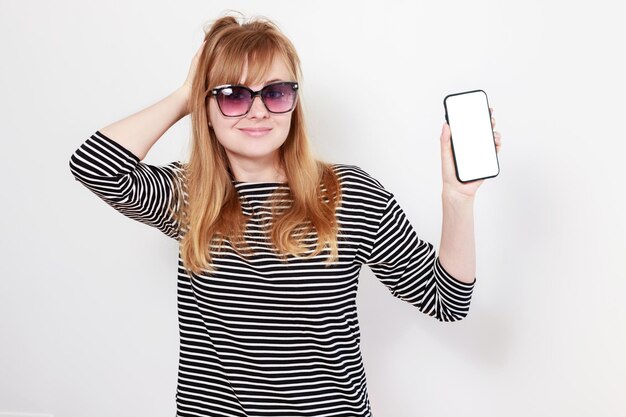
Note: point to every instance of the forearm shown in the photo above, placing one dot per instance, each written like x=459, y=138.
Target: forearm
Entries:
x=457, y=252
x=139, y=131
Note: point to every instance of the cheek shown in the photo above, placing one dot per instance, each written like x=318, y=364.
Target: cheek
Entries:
x=287, y=123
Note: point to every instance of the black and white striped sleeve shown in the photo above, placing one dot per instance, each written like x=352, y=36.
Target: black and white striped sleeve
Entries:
x=139, y=191
x=410, y=269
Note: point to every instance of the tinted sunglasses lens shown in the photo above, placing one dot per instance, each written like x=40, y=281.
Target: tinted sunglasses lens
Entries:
x=234, y=101
x=279, y=98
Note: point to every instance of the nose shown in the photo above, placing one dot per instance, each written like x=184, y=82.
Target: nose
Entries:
x=258, y=109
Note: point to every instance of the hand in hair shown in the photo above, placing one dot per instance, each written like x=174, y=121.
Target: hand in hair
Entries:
x=186, y=87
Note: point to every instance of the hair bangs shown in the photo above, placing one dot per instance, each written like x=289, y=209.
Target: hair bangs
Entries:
x=231, y=66
x=249, y=55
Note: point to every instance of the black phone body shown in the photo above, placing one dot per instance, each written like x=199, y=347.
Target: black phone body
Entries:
x=473, y=143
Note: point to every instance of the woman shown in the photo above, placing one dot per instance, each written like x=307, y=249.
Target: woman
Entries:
x=271, y=240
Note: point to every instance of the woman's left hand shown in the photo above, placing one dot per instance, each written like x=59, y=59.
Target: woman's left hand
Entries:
x=451, y=184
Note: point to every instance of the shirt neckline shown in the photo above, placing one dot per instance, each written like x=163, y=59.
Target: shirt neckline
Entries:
x=257, y=184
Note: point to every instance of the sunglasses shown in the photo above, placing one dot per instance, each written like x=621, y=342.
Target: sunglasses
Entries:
x=236, y=100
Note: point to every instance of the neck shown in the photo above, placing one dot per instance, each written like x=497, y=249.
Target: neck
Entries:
x=257, y=170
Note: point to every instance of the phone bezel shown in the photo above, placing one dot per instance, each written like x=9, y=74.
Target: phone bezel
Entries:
x=456, y=168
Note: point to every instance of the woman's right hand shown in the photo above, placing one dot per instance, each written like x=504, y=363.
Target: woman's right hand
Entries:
x=186, y=87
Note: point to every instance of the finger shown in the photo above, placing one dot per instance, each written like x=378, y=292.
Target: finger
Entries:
x=445, y=134
x=446, y=146
x=497, y=138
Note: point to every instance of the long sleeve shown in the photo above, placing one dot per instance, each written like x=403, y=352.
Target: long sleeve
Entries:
x=137, y=190
x=410, y=269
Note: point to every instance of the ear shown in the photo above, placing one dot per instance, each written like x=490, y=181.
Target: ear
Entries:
x=208, y=116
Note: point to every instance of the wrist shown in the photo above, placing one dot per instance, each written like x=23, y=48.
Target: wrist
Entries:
x=455, y=197
x=182, y=94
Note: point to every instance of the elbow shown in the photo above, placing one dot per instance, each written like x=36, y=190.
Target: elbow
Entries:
x=116, y=188
x=452, y=296
x=451, y=316
x=74, y=167
x=79, y=170
x=447, y=312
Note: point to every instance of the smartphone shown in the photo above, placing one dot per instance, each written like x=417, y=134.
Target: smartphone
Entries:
x=473, y=143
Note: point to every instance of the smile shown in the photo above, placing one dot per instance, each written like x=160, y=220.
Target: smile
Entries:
x=256, y=132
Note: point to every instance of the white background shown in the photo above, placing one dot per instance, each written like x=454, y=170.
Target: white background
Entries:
x=88, y=323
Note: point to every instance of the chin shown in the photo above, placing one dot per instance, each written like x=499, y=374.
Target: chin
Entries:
x=256, y=152
x=260, y=149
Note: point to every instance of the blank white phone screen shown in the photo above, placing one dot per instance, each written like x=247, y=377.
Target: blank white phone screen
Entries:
x=472, y=136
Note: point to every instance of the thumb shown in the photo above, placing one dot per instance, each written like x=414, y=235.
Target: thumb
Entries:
x=445, y=136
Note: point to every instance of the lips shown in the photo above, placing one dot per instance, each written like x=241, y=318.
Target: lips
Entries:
x=256, y=131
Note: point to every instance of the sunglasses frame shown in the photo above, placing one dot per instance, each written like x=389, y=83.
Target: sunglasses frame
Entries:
x=294, y=85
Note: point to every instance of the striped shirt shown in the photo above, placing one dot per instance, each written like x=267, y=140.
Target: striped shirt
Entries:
x=264, y=336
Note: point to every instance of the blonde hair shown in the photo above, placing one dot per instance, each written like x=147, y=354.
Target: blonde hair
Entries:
x=214, y=212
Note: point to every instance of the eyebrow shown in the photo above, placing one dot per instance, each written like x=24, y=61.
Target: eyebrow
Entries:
x=271, y=81
x=266, y=83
